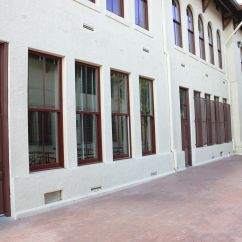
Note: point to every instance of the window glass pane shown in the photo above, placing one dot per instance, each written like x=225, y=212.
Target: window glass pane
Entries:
x=51, y=88
x=210, y=35
x=86, y=88
x=87, y=147
x=43, y=82
x=146, y=97
x=117, y=7
x=119, y=93
x=141, y=9
x=43, y=137
x=189, y=20
x=176, y=11
x=146, y=134
x=36, y=81
x=200, y=28
x=120, y=135
x=114, y=6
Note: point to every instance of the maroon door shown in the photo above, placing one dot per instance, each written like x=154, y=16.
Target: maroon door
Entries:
x=185, y=125
x=4, y=165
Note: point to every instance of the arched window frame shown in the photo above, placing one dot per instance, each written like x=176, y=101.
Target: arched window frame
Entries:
x=219, y=50
x=201, y=38
x=177, y=23
x=210, y=43
x=190, y=30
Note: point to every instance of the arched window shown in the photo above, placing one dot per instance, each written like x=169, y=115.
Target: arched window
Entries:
x=220, y=62
x=201, y=38
x=177, y=23
x=190, y=29
x=210, y=42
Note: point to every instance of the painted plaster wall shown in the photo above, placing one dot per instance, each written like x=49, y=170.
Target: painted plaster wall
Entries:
x=56, y=27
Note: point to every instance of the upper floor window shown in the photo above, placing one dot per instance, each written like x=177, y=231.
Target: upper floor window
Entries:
x=88, y=119
x=201, y=38
x=116, y=6
x=190, y=29
x=210, y=42
x=147, y=116
x=177, y=23
x=141, y=13
x=120, y=115
x=219, y=48
x=45, y=112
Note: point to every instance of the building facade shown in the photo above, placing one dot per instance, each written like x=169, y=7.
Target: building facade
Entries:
x=98, y=95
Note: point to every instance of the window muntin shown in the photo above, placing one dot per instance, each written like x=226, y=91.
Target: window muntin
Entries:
x=147, y=116
x=88, y=125
x=210, y=42
x=190, y=29
x=120, y=115
x=219, y=49
x=115, y=6
x=177, y=23
x=201, y=38
x=45, y=112
x=141, y=13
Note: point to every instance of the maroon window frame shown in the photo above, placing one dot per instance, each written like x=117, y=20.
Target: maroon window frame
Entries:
x=201, y=38
x=112, y=6
x=210, y=43
x=42, y=111
x=97, y=115
x=148, y=114
x=177, y=23
x=141, y=14
x=190, y=30
x=120, y=114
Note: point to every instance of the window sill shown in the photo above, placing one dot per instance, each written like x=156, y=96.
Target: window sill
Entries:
x=88, y=4
x=143, y=31
x=180, y=49
x=117, y=18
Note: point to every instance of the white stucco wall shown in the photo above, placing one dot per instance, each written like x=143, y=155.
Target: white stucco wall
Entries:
x=56, y=27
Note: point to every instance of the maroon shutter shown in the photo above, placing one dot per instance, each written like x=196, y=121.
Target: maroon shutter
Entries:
x=209, y=124
x=229, y=123
x=221, y=122
x=213, y=122
x=217, y=123
x=198, y=121
x=204, y=121
x=225, y=123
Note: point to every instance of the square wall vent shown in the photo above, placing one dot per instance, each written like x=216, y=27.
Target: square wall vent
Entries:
x=52, y=197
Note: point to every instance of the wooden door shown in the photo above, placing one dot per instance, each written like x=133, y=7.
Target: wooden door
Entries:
x=185, y=125
x=4, y=163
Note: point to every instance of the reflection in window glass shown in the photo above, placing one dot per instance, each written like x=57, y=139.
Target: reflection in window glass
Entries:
x=87, y=114
x=44, y=119
x=120, y=115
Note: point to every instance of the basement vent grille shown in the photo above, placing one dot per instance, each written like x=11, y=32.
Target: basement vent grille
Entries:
x=52, y=197
x=153, y=173
x=146, y=50
x=88, y=27
x=95, y=189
